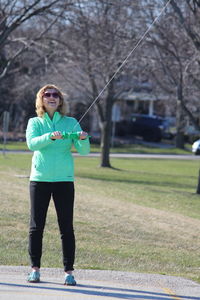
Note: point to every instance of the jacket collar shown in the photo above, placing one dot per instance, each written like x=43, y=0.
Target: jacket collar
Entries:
x=56, y=117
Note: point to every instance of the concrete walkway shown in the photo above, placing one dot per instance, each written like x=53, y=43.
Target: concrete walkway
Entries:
x=93, y=284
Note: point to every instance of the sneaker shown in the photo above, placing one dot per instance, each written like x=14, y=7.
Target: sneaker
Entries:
x=69, y=280
x=34, y=277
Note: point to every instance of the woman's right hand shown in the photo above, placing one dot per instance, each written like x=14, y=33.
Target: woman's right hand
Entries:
x=56, y=135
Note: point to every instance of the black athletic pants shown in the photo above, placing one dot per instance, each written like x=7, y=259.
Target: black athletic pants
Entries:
x=63, y=197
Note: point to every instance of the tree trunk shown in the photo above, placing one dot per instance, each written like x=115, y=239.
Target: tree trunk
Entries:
x=179, y=141
x=180, y=124
x=106, y=129
x=105, y=144
x=198, y=186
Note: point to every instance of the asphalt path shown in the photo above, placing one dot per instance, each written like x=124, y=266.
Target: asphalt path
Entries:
x=95, y=284
x=153, y=156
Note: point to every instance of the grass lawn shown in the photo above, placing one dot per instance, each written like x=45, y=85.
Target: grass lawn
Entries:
x=134, y=148
x=142, y=216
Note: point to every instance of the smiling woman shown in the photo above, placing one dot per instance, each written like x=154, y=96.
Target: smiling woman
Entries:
x=52, y=174
x=47, y=92
x=51, y=101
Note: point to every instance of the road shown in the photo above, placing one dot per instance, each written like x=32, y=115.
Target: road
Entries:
x=95, y=284
x=153, y=156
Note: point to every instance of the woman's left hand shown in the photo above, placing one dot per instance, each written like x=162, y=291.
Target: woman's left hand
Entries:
x=83, y=135
x=56, y=135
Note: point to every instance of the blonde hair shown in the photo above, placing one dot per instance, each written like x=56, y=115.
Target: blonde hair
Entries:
x=40, y=109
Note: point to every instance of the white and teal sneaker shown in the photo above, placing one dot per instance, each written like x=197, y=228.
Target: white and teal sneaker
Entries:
x=69, y=280
x=34, y=276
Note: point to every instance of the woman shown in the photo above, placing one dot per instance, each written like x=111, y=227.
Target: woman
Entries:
x=52, y=174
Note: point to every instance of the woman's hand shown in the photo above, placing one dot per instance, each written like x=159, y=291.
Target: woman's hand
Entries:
x=56, y=135
x=83, y=135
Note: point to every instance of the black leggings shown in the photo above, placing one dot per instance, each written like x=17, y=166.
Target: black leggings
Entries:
x=63, y=197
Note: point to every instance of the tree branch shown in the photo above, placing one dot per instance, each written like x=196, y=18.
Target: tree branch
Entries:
x=192, y=35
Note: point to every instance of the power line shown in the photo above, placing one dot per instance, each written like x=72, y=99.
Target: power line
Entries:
x=125, y=60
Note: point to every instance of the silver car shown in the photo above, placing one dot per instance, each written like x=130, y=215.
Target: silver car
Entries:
x=196, y=147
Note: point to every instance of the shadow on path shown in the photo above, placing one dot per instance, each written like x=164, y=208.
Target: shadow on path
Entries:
x=104, y=291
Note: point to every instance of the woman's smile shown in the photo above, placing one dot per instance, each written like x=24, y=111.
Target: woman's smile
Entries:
x=51, y=100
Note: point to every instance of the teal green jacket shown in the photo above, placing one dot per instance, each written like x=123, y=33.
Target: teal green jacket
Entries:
x=52, y=159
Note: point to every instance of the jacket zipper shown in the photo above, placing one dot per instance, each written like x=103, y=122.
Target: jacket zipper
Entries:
x=54, y=169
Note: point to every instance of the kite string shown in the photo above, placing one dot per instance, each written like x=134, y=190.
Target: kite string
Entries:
x=125, y=60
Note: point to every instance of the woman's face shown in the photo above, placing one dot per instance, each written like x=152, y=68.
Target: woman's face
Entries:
x=51, y=100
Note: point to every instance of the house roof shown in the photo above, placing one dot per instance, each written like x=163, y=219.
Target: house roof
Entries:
x=140, y=96
x=134, y=90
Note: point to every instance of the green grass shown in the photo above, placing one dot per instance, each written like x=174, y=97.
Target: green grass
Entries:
x=14, y=146
x=134, y=148
x=142, y=216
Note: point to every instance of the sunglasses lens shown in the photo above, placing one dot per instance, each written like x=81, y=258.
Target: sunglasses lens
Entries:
x=48, y=95
x=54, y=95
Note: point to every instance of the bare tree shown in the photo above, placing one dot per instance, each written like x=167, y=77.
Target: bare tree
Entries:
x=22, y=25
x=14, y=14
x=187, y=48
x=185, y=9
x=192, y=31
x=170, y=66
x=91, y=48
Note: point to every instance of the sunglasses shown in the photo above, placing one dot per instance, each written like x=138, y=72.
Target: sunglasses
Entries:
x=54, y=95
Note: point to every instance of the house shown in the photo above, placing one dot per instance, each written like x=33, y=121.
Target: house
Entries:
x=138, y=97
x=132, y=96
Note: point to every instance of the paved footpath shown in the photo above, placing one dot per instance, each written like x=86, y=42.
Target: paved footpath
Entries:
x=93, y=284
x=122, y=155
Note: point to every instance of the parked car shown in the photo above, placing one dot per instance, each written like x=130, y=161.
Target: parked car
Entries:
x=196, y=147
x=150, y=128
